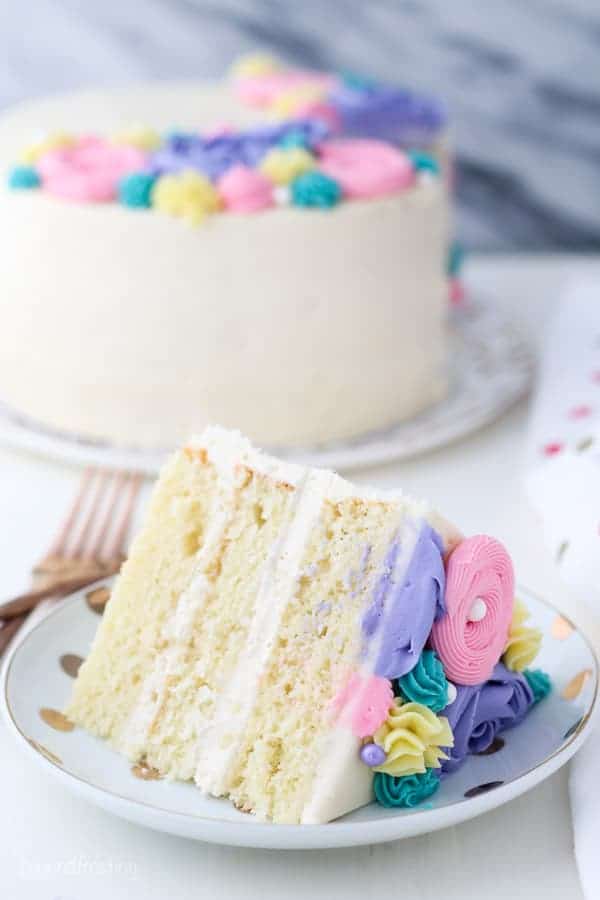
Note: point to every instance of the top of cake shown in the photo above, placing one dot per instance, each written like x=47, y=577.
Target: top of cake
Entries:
x=352, y=140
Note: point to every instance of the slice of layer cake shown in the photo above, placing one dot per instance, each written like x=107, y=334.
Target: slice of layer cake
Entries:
x=291, y=642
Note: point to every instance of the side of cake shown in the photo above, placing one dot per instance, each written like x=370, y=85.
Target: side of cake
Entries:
x=307, y=306
x=295, y=644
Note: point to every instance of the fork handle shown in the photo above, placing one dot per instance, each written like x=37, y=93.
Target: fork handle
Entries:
x=24, y=603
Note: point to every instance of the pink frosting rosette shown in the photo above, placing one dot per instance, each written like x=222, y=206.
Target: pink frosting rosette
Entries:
x=245, y=190
x=89, y=170
x=479, y=598
x=363, y=703
x=366, y=168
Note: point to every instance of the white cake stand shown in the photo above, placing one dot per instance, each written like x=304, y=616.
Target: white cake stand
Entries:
x=491, y=366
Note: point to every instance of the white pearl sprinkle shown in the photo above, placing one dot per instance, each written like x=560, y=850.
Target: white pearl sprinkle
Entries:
x=281, y=195
x=478, y=610
x=452, y=693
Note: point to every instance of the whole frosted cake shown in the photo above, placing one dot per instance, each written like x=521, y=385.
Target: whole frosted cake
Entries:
x=301, y=646
x=281, y=275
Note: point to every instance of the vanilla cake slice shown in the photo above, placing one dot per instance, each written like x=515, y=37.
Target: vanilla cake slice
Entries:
x=289, y=641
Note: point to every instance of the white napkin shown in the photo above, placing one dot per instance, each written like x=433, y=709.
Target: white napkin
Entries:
x=563, y=483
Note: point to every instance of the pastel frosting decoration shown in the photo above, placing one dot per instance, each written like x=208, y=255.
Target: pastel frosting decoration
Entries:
x=23, y=178
x=135, y=190
x=424, y=162
x=315, y=189
x=479, y=568
x=245, y=190
x=413, y=738
x=363, y=703
x=524, y=641
x=54, y=141
x=138, y=136
x=426, y=683
x=366, y=168
x=189, y=195
x=407, y=791
x=407, y=600
x=254, y=65
x=282, y=165
x=539, y=682
x=481, y=712
x=89, y=170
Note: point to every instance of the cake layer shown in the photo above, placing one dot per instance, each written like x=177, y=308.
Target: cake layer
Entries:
x=298, y=326
x=247, y=642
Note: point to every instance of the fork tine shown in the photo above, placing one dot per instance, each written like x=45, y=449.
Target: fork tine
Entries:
x=116, y=544
x=96, y=550
x=78, y=549
x=59, y=543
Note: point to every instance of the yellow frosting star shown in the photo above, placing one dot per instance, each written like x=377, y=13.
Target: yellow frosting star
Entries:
x=189, y=195
x=291, y=101
x=254, y=65
x=138, y=136
x=30, y=155
x=412, y=737
x=283, y=165
x=523, y=642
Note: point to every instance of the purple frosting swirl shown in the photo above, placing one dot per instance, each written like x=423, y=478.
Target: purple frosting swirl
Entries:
x=481, y=711
x=213, y=156
x=387, y=113
x=408, y=604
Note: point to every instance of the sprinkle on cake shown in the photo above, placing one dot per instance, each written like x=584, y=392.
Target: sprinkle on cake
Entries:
x=300, y=646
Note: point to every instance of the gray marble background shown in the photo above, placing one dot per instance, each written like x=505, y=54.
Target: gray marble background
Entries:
x=521, y=79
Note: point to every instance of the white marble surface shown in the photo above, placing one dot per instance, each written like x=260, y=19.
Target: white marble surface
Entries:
x=521, y=81
x=55, y=847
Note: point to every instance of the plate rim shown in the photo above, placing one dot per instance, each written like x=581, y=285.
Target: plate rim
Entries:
x=267, y=835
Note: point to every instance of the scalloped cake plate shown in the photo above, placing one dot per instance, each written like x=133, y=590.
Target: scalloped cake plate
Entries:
x=491, y=367
x=37, y=678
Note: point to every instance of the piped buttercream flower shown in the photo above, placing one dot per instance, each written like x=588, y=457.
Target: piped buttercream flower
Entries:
x=413, y=738
x=138, y=136
x=54, y=141
x=363, y=703
x=254, y=65
x=88, y=170
x=366, y=168
x=281, y=165
x=524, y=641
x=245, y=190
x=539, y=682
x=189, y=195
x=426, y=683
x=481, y=711
x=470, y=638
x=407, y=791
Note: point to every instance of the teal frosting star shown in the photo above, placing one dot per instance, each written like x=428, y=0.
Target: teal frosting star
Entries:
x=426, y=683
x=407, y=791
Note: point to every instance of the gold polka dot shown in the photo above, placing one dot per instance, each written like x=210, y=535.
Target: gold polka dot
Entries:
x=97, y=599
x=52, y=757
x=576, y=685
x=145, y=772
x=56, y=719
x=70, y=663
x=561, y=628
x=584, y=444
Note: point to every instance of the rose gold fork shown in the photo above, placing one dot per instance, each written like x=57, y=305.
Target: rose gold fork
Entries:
x=89, y=545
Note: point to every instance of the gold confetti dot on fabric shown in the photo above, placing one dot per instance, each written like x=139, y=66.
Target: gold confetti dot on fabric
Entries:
x=70, y=663
x=576, y=685
x=56, y=719
x=561, y=628
x=584, y=444
x=52, y=757
x=97, y=599
x=145, y=772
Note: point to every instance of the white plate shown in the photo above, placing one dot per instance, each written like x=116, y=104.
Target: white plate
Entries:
x=33, y=678
x=490, y=368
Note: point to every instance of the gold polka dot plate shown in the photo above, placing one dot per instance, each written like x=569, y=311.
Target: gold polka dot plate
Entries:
x=37, y=678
